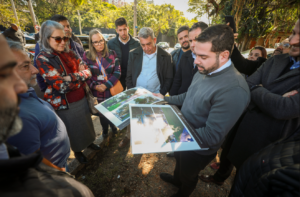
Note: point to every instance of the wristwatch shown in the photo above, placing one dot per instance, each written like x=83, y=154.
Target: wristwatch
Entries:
x=254, y=87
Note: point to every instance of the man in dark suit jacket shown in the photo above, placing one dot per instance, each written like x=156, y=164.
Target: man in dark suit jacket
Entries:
x=274, y=111
x=186, y=67
x=150, y=67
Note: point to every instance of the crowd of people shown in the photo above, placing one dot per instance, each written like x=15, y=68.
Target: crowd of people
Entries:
x=248, y=107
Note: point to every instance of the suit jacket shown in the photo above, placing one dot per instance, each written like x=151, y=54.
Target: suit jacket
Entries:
x=184, y=75
x=164, y=68
x=175, y=56
x=269, y=116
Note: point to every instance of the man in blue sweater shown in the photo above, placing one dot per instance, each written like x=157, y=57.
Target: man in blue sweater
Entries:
x=216, y=98
x=42, y=129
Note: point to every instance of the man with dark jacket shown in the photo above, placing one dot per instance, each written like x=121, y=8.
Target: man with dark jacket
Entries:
x=122, y=44
x=186, y=66
x=274, y=111
x=25, y=175
x=150, y=67
x=183, y=39
x=15, y=33
x=75, y=46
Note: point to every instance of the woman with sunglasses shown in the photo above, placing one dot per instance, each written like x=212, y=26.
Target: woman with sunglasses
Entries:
x=65, y=76
x=106, y=71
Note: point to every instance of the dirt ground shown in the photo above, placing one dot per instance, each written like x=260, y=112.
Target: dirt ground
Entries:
x=116, y=172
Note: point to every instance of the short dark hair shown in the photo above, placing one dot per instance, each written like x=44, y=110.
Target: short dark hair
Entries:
x=120, y=21
x=182, y=28
x=197, y=25
x=58, y=18
x=220, y=36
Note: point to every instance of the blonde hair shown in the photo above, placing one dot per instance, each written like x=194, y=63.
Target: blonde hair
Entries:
x=93, y=53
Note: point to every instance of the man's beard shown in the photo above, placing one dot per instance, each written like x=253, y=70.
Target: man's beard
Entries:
x=32, y=81
x=187, y=47
x=69, y=34
x=10, y=123
x=212, y=68
x=122, y=38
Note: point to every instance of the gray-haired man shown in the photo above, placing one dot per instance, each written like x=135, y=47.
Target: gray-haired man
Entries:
x=149, y=67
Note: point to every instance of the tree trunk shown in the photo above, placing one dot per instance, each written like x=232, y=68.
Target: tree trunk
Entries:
x=79, y=21
x=135, y=19
x=32, y=15
x=15, y=12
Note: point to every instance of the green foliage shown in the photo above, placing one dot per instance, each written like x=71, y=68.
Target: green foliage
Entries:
x=254, y=18
x=161, y=18
x=44, y=10
x=7, y=15
x=94, y=13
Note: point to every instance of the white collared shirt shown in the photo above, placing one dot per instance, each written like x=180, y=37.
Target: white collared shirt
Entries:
x=151, y=55
x=148, y=77
x=227, y=64
x=124, y=42
x=194, y=57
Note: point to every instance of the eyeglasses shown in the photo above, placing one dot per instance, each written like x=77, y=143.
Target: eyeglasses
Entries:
x=285, y=45
x=59, y=39
x=98, y=42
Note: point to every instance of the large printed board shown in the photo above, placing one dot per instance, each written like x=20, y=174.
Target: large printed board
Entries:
x=116, y=108
x=160, y=128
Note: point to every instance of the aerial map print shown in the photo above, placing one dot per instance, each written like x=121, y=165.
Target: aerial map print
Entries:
x=157, y=128
x=116, y=109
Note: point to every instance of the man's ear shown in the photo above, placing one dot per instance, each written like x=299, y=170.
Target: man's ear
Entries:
x=224, y=56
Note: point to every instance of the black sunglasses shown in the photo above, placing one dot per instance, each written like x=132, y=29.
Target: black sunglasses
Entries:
x=59, y=39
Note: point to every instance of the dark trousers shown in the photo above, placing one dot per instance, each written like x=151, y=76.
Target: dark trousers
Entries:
x=123, y=81
x=104, y=123
x=225, y=168
x=188, y=166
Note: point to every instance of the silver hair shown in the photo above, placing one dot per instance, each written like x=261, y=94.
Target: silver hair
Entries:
x=45, y=33
x=145, y=32
x=15, y=45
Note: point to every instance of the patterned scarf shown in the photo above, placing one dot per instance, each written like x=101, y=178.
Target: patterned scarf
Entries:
x=69, y=60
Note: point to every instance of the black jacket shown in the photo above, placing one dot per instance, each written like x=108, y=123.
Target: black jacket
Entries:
x=269, y=117
x=114, y=44
x=245, y=66
x=273, y=171
x=26, y=176
x=164, y=68
x=175, y=55
x=17, y=36
x=184, y=75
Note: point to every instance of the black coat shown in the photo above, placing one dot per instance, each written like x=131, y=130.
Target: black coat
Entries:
x=184, y=75
x=273, y=171
x=27, y=176
x=247, y=67
x=164, y=68
x=175, y=55
x=269, y=117
x=114, y=44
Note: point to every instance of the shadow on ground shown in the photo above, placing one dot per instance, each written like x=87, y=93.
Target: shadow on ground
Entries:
x=116, y=172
